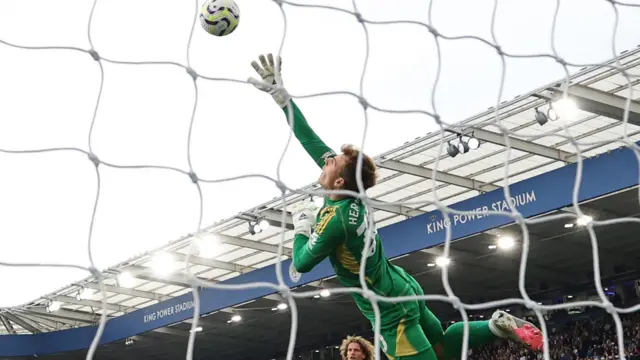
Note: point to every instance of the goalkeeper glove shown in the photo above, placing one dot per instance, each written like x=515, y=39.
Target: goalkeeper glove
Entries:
x=304, y=218
x=271, y=82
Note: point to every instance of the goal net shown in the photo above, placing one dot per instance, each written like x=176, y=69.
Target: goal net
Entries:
x=104, y=90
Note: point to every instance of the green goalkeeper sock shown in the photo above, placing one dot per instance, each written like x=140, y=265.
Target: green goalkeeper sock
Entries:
x=479, y=334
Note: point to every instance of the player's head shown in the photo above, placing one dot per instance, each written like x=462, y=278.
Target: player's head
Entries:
x=340, y=171
x=356, y=348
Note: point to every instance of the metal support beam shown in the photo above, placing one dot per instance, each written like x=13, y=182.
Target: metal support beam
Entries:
x=275, y=218
x=7, y=325
x=177, y=278
x=50, y=323
x=600, y=102
x=65, y=314
x=46, y=319
x=522, y=145
x=211, y=263
x=93, y=303
x=440, y=176
x=398, y=209
x=250, y=244
x=23, y=323
x=270, y=214
x=130, y=292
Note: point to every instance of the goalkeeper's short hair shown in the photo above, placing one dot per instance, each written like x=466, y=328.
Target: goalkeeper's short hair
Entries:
x=369, y=170
x=365, y=346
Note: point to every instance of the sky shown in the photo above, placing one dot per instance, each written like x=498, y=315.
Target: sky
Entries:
x=48, y=99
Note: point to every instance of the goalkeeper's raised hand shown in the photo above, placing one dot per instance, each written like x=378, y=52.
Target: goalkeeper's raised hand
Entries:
x=271, y=82
x=304, y=218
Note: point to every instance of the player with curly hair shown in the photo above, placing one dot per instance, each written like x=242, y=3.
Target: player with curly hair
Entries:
x=356, y=348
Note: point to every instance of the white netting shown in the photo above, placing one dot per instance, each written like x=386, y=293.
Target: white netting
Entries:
x=445, y=127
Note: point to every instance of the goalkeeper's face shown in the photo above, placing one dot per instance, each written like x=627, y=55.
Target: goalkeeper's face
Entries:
x=331, y=179
x=339, y=172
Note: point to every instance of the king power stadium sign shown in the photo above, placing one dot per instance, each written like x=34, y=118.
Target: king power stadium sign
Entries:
x=516, y=201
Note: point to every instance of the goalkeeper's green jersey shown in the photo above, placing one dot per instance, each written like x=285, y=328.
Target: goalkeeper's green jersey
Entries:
x=340, y=234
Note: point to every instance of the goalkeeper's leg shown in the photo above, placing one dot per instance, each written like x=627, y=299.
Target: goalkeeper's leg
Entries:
x=406, y=341
x=448, y=345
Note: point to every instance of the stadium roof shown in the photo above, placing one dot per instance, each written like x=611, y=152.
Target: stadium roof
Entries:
x=560, y=264
x=405, y=176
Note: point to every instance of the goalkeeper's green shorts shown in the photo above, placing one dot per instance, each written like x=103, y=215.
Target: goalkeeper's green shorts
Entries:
x=415, y=335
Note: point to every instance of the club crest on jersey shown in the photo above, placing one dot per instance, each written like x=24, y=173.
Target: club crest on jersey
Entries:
x=294, y=275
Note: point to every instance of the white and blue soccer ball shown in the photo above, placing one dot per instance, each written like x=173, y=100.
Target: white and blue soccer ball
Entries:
x=219, y=17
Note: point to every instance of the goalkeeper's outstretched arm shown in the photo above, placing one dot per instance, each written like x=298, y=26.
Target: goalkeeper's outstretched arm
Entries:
x=313, y=145
x=311, y=142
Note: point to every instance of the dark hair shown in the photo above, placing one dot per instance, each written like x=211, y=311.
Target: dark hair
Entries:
x=349, y=171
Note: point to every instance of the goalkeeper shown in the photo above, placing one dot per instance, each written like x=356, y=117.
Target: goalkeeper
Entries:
x=409, y=330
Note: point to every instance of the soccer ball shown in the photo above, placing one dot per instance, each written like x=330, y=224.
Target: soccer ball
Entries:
x=219, y=17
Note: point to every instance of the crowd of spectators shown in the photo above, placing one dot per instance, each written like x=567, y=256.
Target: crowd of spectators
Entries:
x=588, y=336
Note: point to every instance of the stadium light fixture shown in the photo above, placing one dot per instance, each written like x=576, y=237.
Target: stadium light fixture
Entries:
x=568, y=225
x=282, y=306
x=53, y=306
x=442, y=261
x=236, y=318
x=264, y=224
x=452, y=150
x=473, y=142
x=540, y=117
x=325, y=293
x=254, y=228
x=83, y=293
x=198, y=329
x=207, y=247
x=506, y=242
x=465, y=144
x=163, y=264
x=584, y=220
x=564, y=109
x=463, y=147
x=125, y=280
